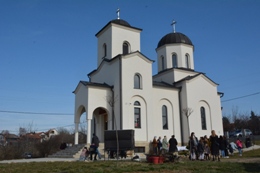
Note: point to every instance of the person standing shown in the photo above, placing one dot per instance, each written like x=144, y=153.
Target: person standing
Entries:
x=214, y=145
x=159, y=145
x=154, y=145
x=222, y=146
x=201, y=148
x=165, y=145
x=239, y=146
x=193, y=143
x=173, y=145
x=95, y=141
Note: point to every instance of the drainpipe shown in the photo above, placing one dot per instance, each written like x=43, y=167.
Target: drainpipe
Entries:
x=120, y=90
x=180, y=108
x=112, y=106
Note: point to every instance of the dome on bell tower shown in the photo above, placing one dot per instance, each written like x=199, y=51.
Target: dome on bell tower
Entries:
x=174, y=37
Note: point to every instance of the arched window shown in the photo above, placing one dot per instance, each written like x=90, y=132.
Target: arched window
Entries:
x=104, y=50
x=203, y=118
x=187, y=58
x=125, y=48
x=174, y=61
x=162, y=62
x=164, y=117
x=137, y=118
x=137, y=81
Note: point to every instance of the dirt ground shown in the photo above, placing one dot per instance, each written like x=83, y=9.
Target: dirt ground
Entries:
x=242, y=160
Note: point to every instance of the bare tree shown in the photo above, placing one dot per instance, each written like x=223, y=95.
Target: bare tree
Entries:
x=187, y=112
x=111, y=100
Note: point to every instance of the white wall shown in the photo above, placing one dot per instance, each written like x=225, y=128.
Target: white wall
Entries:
x=202, y=92
x=169, y=98
x=132, y=64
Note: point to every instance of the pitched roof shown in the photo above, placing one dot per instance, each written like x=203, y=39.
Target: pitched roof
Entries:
x=86, y=83
x=118, y=56
x=192, y=77
x=164, y=84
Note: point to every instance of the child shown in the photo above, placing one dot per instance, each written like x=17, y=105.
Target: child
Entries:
x=207, y=152
x=82, y=156
x=239, y=146
x=201, y=149
x=231, y=150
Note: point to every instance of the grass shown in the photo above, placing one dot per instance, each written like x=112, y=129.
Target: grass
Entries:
x=185, y=166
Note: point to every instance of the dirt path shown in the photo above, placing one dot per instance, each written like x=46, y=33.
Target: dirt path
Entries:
x=242, y=160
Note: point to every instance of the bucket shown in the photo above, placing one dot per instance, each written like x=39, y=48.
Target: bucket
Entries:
x=161, y=159
x=155, y=160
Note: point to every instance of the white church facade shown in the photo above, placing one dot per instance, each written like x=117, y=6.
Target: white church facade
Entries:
x=122, y=93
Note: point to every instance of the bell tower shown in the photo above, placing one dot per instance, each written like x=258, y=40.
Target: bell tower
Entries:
x=117, y=37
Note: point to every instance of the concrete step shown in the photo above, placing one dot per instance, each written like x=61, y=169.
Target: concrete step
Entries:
x=68, y=152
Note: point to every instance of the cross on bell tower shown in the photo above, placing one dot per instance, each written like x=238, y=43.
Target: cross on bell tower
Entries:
x=118, y=13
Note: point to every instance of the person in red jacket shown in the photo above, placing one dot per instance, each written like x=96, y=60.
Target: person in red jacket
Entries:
x=239, y=146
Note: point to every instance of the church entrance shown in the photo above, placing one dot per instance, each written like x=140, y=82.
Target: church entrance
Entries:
x=100, y=123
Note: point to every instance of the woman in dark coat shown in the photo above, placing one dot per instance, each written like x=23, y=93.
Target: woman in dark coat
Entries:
x=173, y=145
x=214, y=147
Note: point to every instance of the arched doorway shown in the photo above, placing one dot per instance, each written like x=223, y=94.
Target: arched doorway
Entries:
x=100, y=122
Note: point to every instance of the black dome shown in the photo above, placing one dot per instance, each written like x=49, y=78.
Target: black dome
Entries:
x=120, y=22
x=176, y=37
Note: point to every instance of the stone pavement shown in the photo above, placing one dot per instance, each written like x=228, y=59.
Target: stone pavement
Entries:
x=47, y=159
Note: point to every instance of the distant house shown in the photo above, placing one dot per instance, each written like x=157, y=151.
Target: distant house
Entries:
x=40, y=136
x=8, y=139
x=50, y=133
x=2, y=139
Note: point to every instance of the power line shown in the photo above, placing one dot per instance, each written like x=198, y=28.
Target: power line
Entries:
x=241, y=97
x=39, y=113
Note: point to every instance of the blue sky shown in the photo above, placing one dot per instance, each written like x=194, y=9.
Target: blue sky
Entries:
x=48, y=46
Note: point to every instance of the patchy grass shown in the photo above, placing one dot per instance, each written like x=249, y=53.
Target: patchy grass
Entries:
x=184, y=166
x=123, y=166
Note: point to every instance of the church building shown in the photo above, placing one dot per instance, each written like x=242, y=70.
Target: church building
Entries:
x=122, y=92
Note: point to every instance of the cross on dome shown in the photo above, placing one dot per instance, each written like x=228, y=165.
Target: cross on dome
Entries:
x=173, y=25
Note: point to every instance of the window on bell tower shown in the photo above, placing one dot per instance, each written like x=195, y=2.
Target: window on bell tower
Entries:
x=187, y=58
x=174, y=61
x=162, y=62
x=104, y=50
x=125, y=48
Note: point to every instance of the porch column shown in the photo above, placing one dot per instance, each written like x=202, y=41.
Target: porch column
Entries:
x=76, y=142
x=89, y=132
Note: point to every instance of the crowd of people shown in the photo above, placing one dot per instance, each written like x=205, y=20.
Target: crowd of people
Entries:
x=163, y=146
x=214, y=147
x=204, y=148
